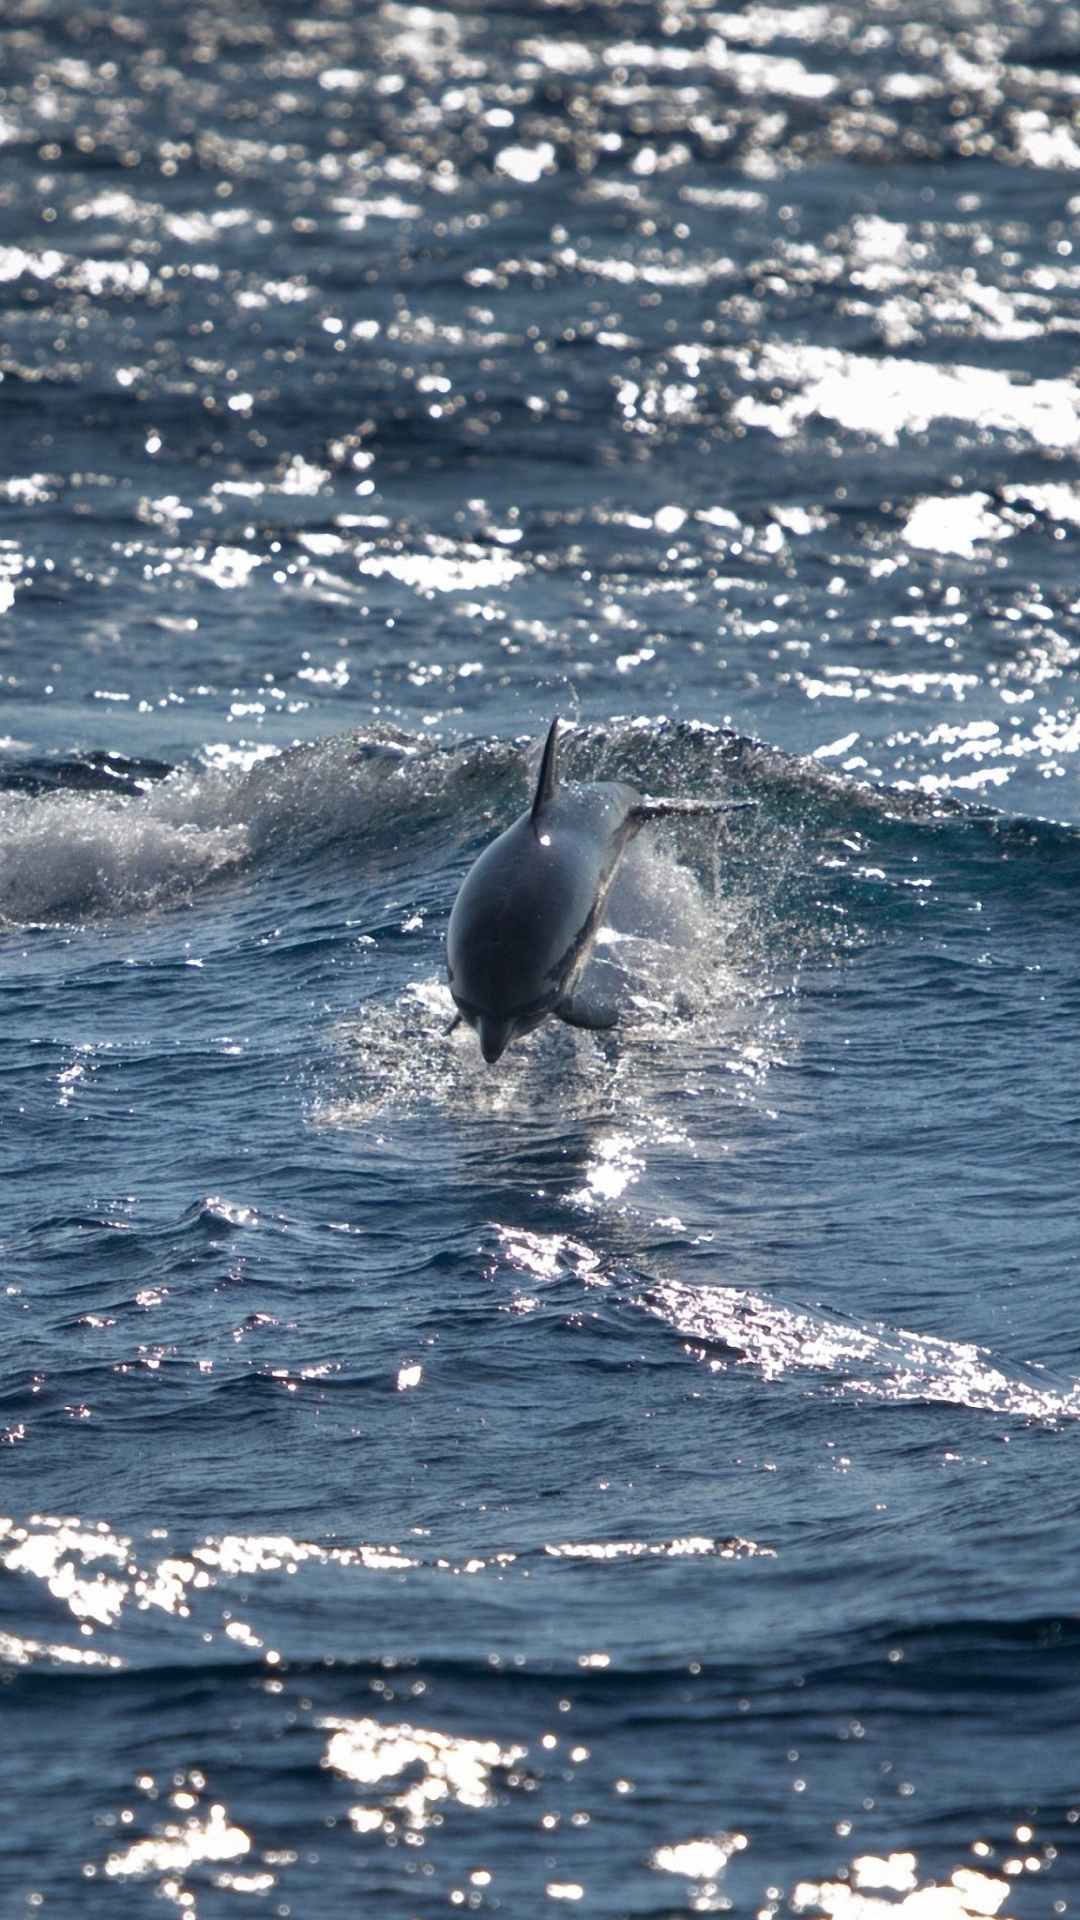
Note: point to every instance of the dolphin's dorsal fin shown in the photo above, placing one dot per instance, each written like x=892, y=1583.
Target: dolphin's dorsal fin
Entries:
x=545, y=785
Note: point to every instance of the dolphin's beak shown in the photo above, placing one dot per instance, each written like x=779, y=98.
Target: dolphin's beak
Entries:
x=494, y=1036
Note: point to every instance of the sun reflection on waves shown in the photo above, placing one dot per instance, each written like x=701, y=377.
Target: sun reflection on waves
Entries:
x=197, y=1584
x=731, y=1326
x=877, y=1363
x=689, y=1546
x=871, y=1887
x=702, y=1863
x=452, y=1769
x=201, y=1836
x=63, y=1554
x=17, y=1650
x=886, y=398
x=53, y=1550
x=178, y=1846
x=547, y=1256
x=413, y=1776
x=615, y=1163
x=969, y=1894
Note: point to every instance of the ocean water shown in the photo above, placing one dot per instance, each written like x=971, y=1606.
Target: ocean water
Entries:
x=640, y=1478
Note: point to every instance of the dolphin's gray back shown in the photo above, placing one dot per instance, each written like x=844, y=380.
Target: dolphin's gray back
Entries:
x=525, y=918
x=523, y=924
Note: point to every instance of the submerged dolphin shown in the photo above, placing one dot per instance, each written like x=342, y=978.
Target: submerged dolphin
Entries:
x=524, y=922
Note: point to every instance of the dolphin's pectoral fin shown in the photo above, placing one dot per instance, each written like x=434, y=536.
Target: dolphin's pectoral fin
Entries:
x=454, y=1025
x=581, y=1010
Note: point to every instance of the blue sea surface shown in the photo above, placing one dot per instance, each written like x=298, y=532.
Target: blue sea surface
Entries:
x=640, y=1478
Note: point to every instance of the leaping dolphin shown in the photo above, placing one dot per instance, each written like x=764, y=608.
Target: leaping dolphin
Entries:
x=529, y=910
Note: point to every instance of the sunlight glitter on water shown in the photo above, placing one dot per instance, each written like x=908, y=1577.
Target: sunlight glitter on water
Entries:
x=702, y=1864
x=901, y=1366
x=450, y=572
x=58, y=1552
x=545, y=1256
x=178, y=1847
x=886, y=398
x=956, y=524
x=969, y=1895
x=17, y=1650
x=615, y=1165
x=691, y=1546
x=214, y=366
x=366, y=1752
x=52, y=1550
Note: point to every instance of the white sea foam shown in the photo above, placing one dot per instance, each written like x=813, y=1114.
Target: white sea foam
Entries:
x=72, y=855
x=66, y=856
